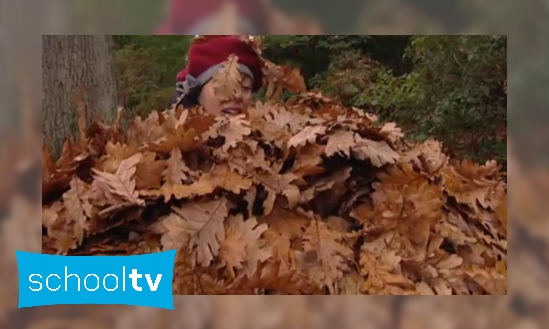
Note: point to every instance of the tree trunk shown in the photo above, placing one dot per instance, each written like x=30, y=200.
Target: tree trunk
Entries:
x=76, y=67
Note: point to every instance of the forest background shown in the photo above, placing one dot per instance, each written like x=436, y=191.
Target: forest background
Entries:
x=451, y=88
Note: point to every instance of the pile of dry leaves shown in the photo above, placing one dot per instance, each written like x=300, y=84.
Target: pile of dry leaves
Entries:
x=302, y=197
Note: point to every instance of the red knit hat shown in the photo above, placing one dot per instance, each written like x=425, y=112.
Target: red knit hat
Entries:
x=207, y=53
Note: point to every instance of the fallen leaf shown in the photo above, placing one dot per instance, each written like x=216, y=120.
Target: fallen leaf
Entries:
x=122, y=183
x=242, y=244
x=379, y=153
x=79, y=209
x=327, y=256
x=340, y=142
x=307, y=135
x=176, y=172
x=227, y=80
x=204, y=222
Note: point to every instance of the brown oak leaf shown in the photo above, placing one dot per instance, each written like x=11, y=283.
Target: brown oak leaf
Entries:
x=326, y=259
x=50, y=215
x=79, y=208
x=148, y=174
x=285, y=119
x=233, y=129
x=284, y=229
x=223, y=176
x=243, y=245
x=307, y=135
x=115, y=154
x=122, y=183
x=340, y=142
x=379, y=153
x=176, y=171
x=204, y=222
x=392, y=132
x=308, y=160
x=277, y=184
x=227, y=80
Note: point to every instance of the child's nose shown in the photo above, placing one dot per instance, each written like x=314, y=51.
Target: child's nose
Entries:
x=239, y=92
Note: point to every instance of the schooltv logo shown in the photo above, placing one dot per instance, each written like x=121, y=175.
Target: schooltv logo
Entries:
x=139, y=280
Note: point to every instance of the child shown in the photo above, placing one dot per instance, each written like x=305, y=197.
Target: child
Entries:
x=205, y=58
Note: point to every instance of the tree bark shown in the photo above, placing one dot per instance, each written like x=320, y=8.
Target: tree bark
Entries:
x=76, y=67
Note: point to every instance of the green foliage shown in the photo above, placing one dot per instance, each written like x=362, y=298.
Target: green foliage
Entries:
x=314, y=54
x=148, y=67
x=311, y=54
x=454, y=91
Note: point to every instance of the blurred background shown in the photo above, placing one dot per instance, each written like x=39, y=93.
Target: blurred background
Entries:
x=23, y=22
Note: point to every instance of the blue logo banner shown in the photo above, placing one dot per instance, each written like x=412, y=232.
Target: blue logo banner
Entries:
x=139, y=280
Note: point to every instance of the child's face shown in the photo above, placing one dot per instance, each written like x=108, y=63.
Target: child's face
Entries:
x=239, y=104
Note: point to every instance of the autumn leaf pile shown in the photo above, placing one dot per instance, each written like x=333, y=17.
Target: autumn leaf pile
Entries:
x=302, y=197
